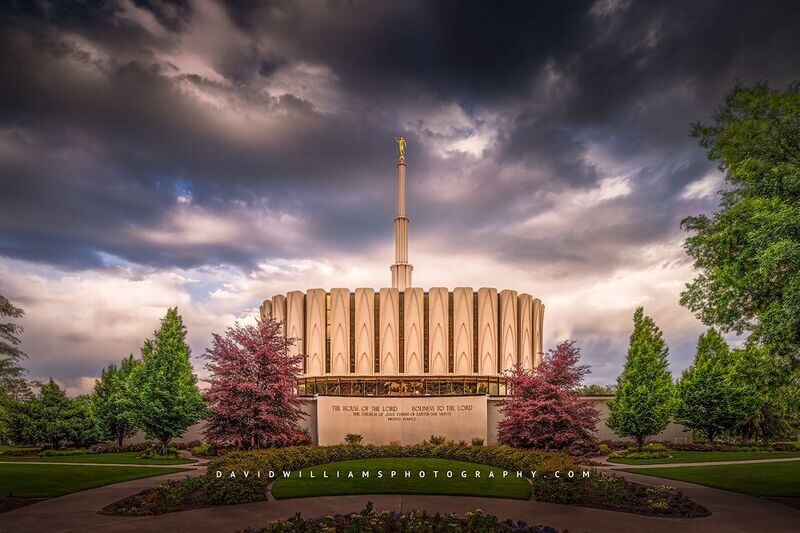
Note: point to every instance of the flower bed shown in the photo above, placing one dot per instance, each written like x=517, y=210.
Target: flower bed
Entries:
x=651, y=451
x=606, y=491
x=598, y=490
x=371, y=521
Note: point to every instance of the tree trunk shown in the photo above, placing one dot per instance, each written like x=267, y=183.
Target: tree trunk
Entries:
x=164, y=444
x=640, y=443
x=120, y=439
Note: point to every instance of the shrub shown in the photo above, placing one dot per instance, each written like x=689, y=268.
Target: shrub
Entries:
x=651, y=451
x=24, y=452
x=371, y=521
x=112, y=447
x=606, y=491
x=604, y=449
x=65, y=453
x=170, y=496
x=477, y=441
x=353, y=439
x=298, y=457
x=204, y=450
x=229, y=491
x=156, y=451
x=437, y=440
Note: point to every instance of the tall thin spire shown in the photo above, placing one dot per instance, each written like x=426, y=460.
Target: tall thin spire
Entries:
x=401, y=269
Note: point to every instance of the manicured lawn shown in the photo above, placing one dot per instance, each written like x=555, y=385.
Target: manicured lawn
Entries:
x=767, y=479
x=108, y=458
x=703, y=457
x=303, y=485
x=47, y=481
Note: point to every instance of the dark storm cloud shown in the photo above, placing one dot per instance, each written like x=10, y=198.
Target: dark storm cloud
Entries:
x=103, y=128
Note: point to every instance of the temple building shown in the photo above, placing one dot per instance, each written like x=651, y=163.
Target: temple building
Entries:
x=399, y=364
x=405, y=340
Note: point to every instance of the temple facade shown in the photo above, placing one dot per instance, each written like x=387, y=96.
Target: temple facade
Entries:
x=404, y=340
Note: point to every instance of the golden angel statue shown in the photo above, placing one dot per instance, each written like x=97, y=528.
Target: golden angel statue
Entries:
x=401, y=146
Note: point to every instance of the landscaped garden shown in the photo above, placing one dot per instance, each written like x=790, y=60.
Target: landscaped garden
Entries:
x=780, y=480
x=371, y=521
x=389, y=476
x=244, y=477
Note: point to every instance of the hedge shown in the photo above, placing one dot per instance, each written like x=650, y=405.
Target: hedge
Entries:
x=227, y=490
x=372, y=521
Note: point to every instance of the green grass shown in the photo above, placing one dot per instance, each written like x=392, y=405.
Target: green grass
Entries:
x=108, y=458
x=47, y=481
x=703, y=457
x=767, y=479
x=297, y=486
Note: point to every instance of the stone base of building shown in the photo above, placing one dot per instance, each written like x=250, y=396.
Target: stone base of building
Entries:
x=411, y=420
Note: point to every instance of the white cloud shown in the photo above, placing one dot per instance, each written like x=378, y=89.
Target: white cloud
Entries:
x=448, y=130
x=705, y=187
x=607, y=189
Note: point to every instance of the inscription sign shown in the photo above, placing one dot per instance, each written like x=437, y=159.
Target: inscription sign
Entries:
x=403, y=420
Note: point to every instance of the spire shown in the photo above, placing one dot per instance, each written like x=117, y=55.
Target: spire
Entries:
x=401, y=269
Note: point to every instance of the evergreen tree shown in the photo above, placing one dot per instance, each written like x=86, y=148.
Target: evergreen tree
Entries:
x=111, y=403
x=51, y=418
x=163, y=391
x=644, y=400
x=13, y=386
x=710, y=398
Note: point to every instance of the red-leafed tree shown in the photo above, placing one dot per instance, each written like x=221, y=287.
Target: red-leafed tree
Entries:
x=252, y=395
x=544, y=409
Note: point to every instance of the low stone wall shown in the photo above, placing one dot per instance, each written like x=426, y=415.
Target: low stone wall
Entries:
x=410, y=420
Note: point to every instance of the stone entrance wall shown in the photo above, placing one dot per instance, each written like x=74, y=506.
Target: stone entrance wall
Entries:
x=406, y=420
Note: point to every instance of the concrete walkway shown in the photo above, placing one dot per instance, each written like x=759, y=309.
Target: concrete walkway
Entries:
x=617, y=466
x=77, y=512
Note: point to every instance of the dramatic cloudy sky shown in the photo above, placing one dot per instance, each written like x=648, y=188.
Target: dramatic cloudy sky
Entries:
x=210, y=155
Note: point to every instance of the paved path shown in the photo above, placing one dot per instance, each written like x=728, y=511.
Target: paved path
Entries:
x=77, y=512
x=618, y=466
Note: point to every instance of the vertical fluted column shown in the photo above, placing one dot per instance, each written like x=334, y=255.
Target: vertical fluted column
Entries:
x=265, y=310
x=279, y=311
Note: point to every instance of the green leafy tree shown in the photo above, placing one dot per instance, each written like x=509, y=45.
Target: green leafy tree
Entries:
x=644, y=400
x=597, y=390
x=748, y=252
x=51, y=418
x=13, y=386
x=163, y=391
x=711, y=398
x=111, y=402
x=776, y=412
x=81, y=425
